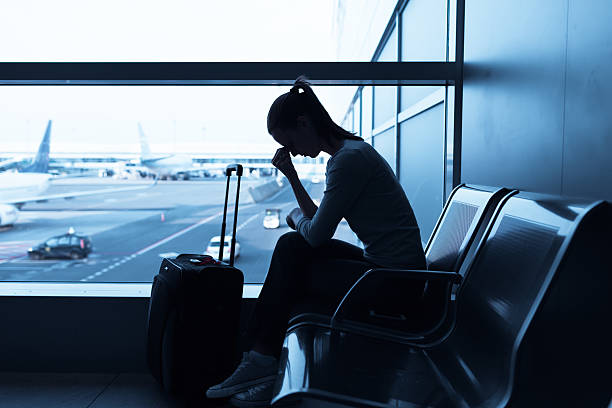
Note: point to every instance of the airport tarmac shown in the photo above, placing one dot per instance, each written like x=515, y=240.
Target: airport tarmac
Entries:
x=132, y=231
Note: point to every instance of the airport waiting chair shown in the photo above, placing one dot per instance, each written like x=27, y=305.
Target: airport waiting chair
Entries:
x=453, y=241
x=532, y=326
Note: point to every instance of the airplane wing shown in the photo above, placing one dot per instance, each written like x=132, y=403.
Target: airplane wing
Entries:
x=10, y=163
x=74, y=194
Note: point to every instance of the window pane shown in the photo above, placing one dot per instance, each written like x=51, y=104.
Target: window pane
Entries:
x=52, y=242
x=384, y=143
x=389, y=51
x=119, y=138
x=384, y=96
x=424, y=30
x=180, y=31
x=409, y=95
x=423, y=39
x=421, y=166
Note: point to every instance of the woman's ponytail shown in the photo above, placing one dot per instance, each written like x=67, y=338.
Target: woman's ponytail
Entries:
x=300, y=100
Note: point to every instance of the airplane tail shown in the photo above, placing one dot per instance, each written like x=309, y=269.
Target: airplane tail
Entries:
x=145, y=151
x=40, y=164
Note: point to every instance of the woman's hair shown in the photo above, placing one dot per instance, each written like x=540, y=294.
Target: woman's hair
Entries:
x=286, y=108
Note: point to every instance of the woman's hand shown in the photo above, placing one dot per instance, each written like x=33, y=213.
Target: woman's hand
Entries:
x=293, y=217
x=282, y=161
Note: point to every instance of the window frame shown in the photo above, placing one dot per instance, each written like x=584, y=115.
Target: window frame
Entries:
x=240, y=73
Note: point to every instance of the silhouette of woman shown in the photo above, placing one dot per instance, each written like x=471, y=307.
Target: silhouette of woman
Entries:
x=307, y=264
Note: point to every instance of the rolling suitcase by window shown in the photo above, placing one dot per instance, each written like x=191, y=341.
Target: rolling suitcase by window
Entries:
x=194, y=313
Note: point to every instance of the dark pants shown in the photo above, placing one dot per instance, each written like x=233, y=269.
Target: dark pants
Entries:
x=299, y=272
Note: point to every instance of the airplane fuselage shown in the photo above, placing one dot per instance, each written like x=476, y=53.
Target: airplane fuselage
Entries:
x=168, y=165
x=17, y=185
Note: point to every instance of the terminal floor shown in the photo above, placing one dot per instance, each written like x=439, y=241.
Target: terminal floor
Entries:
x=83, y=390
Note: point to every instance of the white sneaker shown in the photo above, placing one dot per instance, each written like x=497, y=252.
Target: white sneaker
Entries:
x=257, y=396
x=248, y=374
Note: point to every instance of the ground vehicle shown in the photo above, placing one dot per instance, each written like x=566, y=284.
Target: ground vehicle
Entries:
x=70, y=245
x=213, y=246
x=8, y=214
x=272, y=218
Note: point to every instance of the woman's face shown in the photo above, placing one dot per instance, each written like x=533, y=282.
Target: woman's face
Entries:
x=302, y=140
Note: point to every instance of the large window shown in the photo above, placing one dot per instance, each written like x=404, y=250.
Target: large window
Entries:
x=118, y=139
x=108, y=142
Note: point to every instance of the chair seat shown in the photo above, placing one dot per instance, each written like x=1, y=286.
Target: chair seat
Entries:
x=324, y=365
x=312, y=311
x=423, y=325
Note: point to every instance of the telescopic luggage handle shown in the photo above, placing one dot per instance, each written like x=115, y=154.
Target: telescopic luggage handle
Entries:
x=234, y=167
x=228, y=172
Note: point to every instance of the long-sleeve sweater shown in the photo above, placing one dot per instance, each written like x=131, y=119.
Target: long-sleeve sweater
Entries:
x=362, y=188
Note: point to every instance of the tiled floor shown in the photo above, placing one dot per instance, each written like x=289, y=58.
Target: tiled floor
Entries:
x=76, y=390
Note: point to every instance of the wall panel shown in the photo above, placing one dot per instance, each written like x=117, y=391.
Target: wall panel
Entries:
x=587, y=161
x=513, y=95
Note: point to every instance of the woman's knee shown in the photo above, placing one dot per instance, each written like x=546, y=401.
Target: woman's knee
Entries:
x=291, y=239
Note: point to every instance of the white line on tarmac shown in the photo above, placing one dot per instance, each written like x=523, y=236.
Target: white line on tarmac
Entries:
x=241, y=226
x=163, y=241
x=176, y=234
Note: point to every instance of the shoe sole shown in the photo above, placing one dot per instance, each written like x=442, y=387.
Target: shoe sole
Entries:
x=235, y=389
x=248, y=404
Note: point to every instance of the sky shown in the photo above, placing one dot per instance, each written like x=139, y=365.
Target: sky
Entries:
x=176, y=119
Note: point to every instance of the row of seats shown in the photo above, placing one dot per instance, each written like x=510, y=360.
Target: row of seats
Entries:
x=514, y=313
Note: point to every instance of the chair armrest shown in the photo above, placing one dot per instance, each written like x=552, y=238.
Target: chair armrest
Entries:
x=364, y=288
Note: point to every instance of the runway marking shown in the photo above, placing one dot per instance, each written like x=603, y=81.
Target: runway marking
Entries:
x=238, y=228
x=13, y=250
x=154, y=245
x=167, y=239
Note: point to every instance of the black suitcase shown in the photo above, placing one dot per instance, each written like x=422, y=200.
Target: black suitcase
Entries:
x=193, y=319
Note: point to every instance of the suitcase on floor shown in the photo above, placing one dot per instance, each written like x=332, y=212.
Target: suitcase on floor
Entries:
x=193, y=319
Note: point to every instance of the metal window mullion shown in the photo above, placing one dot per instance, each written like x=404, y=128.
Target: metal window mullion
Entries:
x=372, y=111
x=446, y=121
x=458, y=103
x=360, y=95
x=398, y=24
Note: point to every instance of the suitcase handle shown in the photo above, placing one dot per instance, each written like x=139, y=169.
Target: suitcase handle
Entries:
x=228, y=172
x=234, y=167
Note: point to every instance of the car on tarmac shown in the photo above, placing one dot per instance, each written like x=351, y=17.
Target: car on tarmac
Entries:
x=214, y=245
x=70, y=245
x=271, y=218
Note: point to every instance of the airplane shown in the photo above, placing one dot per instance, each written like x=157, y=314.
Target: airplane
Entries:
x=29, y=184
x=41, y=162
x=165, y=166
x=176, y=166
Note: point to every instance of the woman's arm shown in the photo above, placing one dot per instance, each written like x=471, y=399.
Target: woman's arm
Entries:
x=282, y=161
x=347, y=177
x=308, y=207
